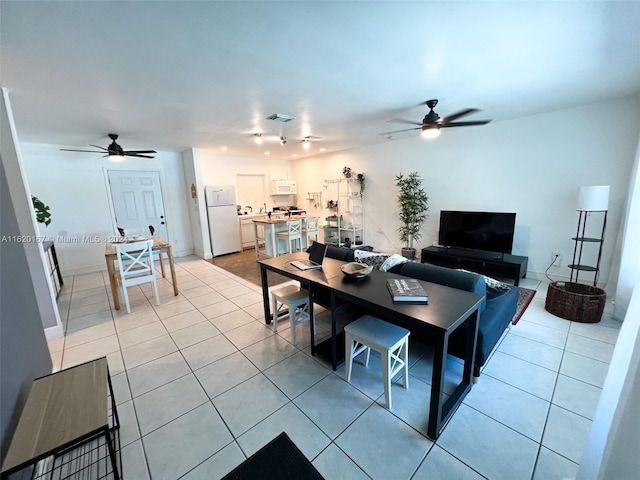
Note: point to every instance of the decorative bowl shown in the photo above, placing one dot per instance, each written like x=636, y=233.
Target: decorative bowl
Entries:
x=356, y=270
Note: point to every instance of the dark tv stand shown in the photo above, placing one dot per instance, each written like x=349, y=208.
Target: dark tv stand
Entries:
x=503, y=265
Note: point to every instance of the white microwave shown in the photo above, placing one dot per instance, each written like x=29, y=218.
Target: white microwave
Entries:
x=282, y=187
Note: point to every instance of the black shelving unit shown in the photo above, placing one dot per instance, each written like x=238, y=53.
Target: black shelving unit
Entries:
x=54, y=268
x=580, y=239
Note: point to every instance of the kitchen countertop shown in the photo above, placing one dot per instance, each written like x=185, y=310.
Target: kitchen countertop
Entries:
x=273, y=221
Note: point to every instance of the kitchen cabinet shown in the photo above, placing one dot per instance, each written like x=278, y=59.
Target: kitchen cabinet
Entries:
x=247, y=232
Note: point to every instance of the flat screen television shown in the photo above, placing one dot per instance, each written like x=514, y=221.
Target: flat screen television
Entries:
x=487, y=231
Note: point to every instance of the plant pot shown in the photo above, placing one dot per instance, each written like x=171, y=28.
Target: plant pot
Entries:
x=409, y=253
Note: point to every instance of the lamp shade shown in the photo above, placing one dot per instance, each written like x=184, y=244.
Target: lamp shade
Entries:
x=593, y=198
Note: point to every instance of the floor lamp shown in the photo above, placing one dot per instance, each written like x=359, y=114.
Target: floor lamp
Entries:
x=590, y=199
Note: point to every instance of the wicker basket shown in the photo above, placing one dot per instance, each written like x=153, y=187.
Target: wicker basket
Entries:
x=575, y=301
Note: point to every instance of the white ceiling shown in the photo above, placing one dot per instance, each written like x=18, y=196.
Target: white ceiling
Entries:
x=171, y=75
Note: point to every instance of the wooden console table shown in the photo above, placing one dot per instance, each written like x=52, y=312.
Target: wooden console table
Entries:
x=513, y=267
x=69, y=427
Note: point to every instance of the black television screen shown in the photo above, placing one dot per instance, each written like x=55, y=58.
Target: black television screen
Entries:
x=491, y=232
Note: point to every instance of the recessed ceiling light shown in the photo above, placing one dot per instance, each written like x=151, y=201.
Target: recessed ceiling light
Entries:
x=267, y=153
x=323, y=149
x=223, y=148
x=281, y=117
x=295, y=155
x=258, y=137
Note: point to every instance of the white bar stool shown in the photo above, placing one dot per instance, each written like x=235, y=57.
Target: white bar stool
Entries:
x=293, y=234
x=297, y=302
x=390, y=340
x=310, y=230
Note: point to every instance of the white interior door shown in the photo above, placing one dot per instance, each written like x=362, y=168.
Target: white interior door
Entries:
x=137, y=200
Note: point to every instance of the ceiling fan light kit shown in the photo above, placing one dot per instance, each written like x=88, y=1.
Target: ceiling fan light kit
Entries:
x=432, y=123
x=430, y=132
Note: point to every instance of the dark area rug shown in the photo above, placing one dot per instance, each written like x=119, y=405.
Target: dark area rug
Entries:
x=279, y=459
x=525, y=295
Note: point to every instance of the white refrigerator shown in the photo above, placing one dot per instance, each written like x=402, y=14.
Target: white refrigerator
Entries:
x=224, y=229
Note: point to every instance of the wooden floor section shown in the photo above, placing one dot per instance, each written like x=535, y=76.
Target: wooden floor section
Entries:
x=244, y=265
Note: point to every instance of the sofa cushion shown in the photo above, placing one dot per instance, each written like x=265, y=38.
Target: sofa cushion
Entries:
x=344, y=254
x=471, y=282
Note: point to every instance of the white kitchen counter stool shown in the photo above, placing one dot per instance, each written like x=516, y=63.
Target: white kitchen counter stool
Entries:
x=310, y=230
x=390, y=340
x=296, y=301
x=292, y=235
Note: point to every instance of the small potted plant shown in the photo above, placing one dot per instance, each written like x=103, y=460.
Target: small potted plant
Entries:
x=414, y=205
x=43, y=215
x=360, y=178
x=346, y=171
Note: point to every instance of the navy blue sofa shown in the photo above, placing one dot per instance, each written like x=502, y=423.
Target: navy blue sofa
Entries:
x=496, y=311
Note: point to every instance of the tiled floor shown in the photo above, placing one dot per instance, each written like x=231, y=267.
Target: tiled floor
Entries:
x=201, y=383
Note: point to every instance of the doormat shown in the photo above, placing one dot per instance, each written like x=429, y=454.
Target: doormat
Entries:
x=525, y=295
x=279, y=459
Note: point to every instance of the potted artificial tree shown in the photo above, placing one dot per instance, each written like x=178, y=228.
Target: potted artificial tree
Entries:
x=414, y=205
x=43, y=215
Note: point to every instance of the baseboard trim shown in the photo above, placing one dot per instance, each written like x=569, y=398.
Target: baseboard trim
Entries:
x=52, y=333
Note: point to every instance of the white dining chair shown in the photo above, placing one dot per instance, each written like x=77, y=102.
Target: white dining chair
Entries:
x=135, y=267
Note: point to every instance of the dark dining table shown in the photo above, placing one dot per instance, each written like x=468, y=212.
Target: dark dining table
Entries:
x=448, y=310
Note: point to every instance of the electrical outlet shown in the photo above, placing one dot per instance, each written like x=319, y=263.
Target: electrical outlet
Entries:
x=556, y=257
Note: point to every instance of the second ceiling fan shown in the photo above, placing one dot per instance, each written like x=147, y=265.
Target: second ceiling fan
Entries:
x=432, y=123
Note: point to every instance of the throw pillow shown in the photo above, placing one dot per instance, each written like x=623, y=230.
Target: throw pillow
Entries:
x=392, y=261
x=491, y=282
x=369, y=258
x=495, y=288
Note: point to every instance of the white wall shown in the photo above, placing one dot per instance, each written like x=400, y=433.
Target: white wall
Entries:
x=223, y=170
x=27, y=302
x=611, y=451
x=629, y=274
x=531, y=166
x=196, y=206
x=75, y=188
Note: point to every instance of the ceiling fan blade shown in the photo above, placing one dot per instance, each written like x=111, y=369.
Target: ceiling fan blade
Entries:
x=139, y=151
x=72, y=150
x=402, y=120
x=465, y=124
x=398, y=131
x=133, y=154
x=459, y=114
